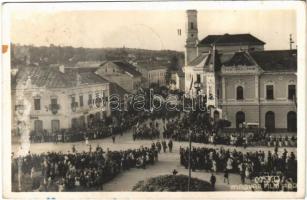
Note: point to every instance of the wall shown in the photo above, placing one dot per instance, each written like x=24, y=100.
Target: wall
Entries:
x=246, y=81
x=232, y=48
x=156, y=76
x=280, y=81
x=253, y=109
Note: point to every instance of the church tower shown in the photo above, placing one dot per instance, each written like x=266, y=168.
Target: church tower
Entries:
x=192, y=36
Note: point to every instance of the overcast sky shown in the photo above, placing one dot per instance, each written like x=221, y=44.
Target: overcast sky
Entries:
x=147, y=29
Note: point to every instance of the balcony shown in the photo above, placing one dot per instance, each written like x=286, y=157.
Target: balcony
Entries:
x=20, y=108
x=74, y=106
x=54, y=108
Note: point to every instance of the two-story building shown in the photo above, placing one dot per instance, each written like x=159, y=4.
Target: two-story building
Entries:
x=152, y=74
x=121, y=73
x=241, y=81
x=46, y=98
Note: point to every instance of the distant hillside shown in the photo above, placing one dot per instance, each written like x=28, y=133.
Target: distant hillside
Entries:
x=49, y=55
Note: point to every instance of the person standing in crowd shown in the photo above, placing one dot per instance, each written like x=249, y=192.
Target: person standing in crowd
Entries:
x=226, y=176
x=86, y=140
x=121, y=128
x=73, y=149
x=158, y=145
x=242, y=173
x=170, y=145
x=213, y=181
x=113, y=138
x=164, y=146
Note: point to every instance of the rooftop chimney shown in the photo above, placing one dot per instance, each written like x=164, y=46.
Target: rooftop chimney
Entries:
x=78, y=79
x=62, y=68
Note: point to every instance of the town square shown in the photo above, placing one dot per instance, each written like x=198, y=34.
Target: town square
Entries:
x=217, y=112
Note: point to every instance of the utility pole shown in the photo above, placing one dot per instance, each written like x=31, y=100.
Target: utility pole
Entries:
x=190, y=144
x=291, y=41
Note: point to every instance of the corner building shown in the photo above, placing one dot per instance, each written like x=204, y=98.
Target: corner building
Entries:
x=242, y=82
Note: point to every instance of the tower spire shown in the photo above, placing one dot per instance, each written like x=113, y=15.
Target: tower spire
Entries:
x=192, y=36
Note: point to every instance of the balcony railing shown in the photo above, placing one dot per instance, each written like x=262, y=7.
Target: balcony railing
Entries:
x=54, y=108
x=74, y=106
x=20, y=108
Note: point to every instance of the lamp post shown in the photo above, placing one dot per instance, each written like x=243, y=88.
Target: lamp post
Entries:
x=197, y=86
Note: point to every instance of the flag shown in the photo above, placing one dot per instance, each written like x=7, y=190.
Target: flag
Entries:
x=191, y=83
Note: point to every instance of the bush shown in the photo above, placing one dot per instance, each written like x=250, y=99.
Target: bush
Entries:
x=171, y=183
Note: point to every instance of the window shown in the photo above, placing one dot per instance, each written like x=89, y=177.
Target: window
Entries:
x=198, y=78
x=54, y=101
x=291, y=92
x=269, y=92
x=240, y=95
x=192, y=25
x=38, y=126
x=37, y=104
x=73, y=99
x=55, y=126
x=81, y=100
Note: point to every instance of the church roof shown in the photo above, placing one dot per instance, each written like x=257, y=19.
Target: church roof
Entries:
x=198, y=60
x=50, y=77
x=207, y=59
x=228, y=39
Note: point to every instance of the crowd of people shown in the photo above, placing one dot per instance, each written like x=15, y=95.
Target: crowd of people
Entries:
x=142, y=131
x=202, y=129
x=79, y=171
x=248, y=165
x=99, y=129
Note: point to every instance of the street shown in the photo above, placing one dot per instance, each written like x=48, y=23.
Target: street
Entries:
x=166, y=164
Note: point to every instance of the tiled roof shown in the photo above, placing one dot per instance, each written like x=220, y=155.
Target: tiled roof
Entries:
x=230, y=39
x=208, y=59
x=240, y=58
x=278, y=60
x=91, y=78
x=125, y=66
x=198, y=60
x=117, y=90
x=50, y=77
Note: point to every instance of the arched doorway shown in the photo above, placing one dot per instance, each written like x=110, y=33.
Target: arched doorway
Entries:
x=270, y=121
x=240, y=118
x=291, y=121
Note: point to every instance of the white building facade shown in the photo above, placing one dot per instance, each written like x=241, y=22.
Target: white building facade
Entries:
x=241, y=81
x=46, y=99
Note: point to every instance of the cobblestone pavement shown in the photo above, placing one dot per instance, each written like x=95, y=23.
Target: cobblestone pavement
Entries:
x=167, y=161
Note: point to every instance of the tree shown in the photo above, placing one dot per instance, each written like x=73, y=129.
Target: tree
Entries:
x=173, y=66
